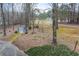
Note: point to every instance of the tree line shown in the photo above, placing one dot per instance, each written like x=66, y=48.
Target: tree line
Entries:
x=25, y=14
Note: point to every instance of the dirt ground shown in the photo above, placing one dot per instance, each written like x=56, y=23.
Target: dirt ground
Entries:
x=31, y=40
x=9, y=31
x=27, y=41
x=67, y=37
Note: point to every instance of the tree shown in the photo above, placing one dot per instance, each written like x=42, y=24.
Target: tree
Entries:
x=33, y=16
x=13, y=14
x=3, y=17
x=27, y=9
x=43, y=16
x=63, y=12
x=54, y=19
x=72, y=12
x=78, y=15
x=8, y=16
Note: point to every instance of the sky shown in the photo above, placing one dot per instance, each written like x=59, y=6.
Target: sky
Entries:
x=43, y=6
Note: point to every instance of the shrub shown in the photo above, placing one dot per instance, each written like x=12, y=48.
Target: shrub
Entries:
x=30, y=27
x=48, y=50
x=16, y=31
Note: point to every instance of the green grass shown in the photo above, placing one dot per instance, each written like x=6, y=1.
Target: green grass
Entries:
x=47, y=50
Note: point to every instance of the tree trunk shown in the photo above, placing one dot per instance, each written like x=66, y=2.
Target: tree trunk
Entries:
x=27, y=15
x=8, y=18
x=54, y=18
x=4, y=22
x=13, y=15
x=33, y=19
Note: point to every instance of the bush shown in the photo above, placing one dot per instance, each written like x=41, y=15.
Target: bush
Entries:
x=30, y=27
x=47, y=50
x=16, y=31
x=37, y=26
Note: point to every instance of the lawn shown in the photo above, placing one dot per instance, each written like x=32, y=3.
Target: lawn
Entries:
x=48, y=50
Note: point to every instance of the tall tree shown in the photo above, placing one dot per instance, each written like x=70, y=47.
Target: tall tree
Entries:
x=27, y=14
x=13, y=14
x=8, y=15
x=33, y=16
x=78, y=15
x=3, y=17
x=54, y=18
x=72, y=12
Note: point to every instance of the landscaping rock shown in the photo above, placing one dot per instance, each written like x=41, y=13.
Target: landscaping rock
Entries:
x=8, y=49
